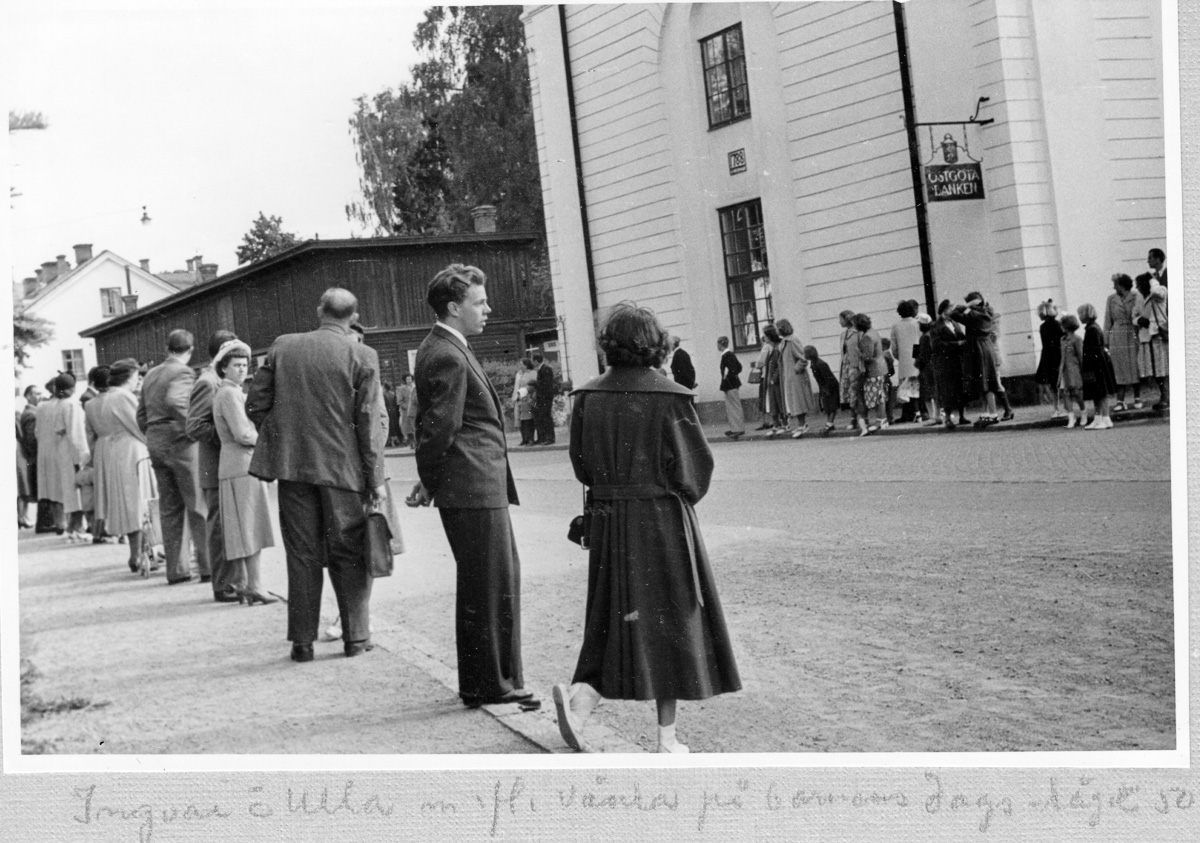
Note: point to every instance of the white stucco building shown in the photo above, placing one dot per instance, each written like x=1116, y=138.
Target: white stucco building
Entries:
x=738, y=162
x=73, y=298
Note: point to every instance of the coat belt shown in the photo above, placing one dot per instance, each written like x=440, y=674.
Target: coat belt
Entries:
x=652, y=491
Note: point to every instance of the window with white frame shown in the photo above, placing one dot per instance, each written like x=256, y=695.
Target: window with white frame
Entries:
x=73, y=361
x=726, y=86
x=747, y=275
x=110, y=301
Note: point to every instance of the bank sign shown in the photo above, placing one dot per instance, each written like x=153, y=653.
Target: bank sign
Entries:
x=950, y=182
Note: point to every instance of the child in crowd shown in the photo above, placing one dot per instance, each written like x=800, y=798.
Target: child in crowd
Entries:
x=924, y=360
x=828, y=389
x=85, y=479
x=889, y=386
x=1070, y=370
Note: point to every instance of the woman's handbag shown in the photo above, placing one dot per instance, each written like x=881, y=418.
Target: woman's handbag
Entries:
x=581, y=525
x=1162, y=329
x=755, y=375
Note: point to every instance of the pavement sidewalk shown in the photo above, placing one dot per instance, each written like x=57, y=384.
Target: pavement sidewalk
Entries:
x=166, y=670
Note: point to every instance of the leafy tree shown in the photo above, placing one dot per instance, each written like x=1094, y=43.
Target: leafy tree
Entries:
x=264, y=239
x=29, y=331
x=459, y=135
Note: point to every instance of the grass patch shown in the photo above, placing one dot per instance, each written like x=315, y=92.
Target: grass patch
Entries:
x=34, y=707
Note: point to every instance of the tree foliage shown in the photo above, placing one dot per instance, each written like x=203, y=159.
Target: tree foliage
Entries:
x=459, y=135
x=265, y=238
x=29, y=332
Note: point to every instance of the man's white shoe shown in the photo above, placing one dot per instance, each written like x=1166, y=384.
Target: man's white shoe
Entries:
x=675, y=747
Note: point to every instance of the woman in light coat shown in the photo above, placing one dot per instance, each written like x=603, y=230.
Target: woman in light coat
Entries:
x=1154, y=354
x=245, y=517
x=1122, y=336
x=799, y=398
x=124, y=483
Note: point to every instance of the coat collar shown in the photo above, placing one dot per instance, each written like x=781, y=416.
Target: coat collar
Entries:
x=633, y=379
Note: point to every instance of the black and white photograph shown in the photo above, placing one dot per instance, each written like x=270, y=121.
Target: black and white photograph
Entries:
x=429, y=417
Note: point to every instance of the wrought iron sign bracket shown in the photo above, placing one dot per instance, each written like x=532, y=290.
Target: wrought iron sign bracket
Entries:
x=973, y=120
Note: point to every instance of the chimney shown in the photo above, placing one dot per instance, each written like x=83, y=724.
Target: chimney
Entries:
x=29, y=287
x=208, y=271
x=130, y=302
x=145, y=262
x=190, y=261
x=83, y=253
x=49, y=272
x=484, y=217
x=63, y=266
x=196, y=261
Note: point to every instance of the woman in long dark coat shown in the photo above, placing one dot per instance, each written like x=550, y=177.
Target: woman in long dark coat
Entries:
x=946, y=340
x=1098, y=379
x=981, y=378
x=653, y=629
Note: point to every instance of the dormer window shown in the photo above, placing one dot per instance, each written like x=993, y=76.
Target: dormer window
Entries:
x=725, y=84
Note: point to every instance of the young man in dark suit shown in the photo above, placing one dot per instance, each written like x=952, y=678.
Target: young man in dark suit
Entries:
x=462, y=462
x=318, y=406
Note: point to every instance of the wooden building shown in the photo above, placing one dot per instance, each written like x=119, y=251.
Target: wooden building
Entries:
x=389, y=276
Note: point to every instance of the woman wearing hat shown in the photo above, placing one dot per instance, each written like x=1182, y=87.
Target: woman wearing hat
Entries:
x=245, y=517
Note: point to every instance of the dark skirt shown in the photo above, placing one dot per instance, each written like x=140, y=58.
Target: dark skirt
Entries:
x=948, y=375
x=980, y=374
x=646, y=636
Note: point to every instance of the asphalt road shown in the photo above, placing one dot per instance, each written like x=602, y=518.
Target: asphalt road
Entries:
x=966, y=591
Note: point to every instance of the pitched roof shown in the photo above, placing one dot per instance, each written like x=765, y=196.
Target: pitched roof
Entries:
x=407, y=241
x=181, y=279
x=66, y=279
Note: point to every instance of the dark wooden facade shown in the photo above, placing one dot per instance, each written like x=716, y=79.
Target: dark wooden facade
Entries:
x=388, y=275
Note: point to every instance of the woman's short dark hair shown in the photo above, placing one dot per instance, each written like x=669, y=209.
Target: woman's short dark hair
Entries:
x=120, y=372
x=632, y=336
x=722, y=342
x=98, y=377
x=906, y=309
x=1070, y=322
x=771, y=333
x=785, y=328
x=451, y=285
x=944, y=306
x=861, y=322
x=1124, y=281
x=236, y=354
x=527, y=362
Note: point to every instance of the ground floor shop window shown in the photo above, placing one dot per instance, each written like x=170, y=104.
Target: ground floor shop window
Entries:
x=747, y=277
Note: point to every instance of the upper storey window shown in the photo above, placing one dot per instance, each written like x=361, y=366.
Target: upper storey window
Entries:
x=725, y=83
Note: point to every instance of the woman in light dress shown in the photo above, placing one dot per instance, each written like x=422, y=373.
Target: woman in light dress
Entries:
x=245, y=517
x=1122, y=336
x=124, y=481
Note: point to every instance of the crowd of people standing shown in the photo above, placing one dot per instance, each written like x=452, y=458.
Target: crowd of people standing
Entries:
x=931, y=368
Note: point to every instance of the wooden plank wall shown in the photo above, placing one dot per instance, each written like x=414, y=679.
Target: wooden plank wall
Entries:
x=390, y=283
x=850, y=169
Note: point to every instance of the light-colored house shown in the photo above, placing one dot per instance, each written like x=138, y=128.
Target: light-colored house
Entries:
x=740, y=162
x=73, y=298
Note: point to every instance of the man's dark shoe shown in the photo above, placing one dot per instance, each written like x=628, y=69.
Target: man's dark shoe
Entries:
x=178, y=580
x=228, y=596
x=357, y=648
x=206, y=578
x=302, y=652
x=525, y=699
